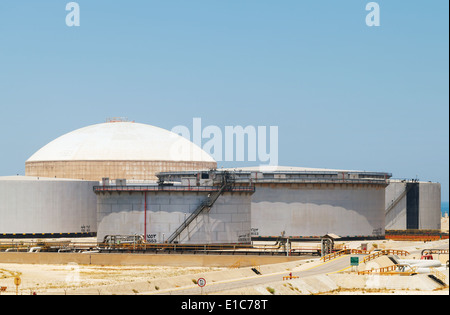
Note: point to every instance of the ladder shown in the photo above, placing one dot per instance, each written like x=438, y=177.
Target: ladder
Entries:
x=206, y=204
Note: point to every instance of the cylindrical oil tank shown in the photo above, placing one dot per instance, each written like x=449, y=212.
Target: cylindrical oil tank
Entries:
x=47, y=207
x=158, y=212
x=298, y=202
x=413, y=205
x=117, y=149
x=314, y=210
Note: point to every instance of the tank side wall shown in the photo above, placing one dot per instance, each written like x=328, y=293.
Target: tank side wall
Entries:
x=47, y=207
x=430, y=206
x=228, y=221
x=96, y=170
x=347, y=210
x=412, y=206
x=396, y=217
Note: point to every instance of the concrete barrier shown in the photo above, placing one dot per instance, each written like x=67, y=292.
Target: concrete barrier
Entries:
x=173, y=260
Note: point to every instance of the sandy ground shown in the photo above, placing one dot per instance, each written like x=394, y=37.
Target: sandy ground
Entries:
x=71, y=278
x=45, y=279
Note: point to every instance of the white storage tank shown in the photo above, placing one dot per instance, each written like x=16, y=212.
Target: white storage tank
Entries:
x=163, y=214
x=117, y=149
x=300, y=202
x=34, y=207
x=413, y=205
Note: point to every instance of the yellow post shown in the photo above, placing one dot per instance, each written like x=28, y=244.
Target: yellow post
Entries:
x=17, y=282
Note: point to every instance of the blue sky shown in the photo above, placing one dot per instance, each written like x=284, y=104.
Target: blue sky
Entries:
x=344, y=95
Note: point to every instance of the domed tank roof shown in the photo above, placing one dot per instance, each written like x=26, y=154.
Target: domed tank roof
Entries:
x=121, y=141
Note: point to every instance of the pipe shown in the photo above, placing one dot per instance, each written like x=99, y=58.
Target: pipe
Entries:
x=420, y=269
x=421, y=263
x=145, y=216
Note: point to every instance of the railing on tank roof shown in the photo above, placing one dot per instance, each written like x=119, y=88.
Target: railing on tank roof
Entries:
x=173, y=188
x=315, y=180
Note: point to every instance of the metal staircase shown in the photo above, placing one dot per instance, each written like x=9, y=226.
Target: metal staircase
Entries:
x=206, y=204
x=397, y=200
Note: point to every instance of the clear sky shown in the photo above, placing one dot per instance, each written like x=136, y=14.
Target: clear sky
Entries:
x=343, y=95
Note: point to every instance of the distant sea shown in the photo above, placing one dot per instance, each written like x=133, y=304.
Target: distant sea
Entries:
x=444, y=207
